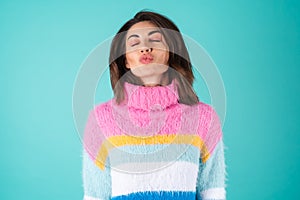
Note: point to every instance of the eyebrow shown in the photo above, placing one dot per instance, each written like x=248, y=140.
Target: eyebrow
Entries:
x=134, y=35
x=150, y=33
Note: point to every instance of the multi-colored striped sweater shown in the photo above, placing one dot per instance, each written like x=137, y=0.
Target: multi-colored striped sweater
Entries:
x=153, y=147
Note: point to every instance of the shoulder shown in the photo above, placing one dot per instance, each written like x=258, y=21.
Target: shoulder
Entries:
x=101, y=112
x=103, y=107
x=204, y=107
x=199, y=116
x=207, y=111
x=208, y=117
x=201, y=110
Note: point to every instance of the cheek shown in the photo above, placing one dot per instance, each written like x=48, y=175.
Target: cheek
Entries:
x=131, y=59
x=166, y=61
x=163, y=57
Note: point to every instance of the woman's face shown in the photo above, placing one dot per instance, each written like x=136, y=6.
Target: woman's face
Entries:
x=146, y=50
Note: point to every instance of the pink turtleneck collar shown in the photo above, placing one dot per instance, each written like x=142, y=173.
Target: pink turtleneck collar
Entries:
x=149, y=98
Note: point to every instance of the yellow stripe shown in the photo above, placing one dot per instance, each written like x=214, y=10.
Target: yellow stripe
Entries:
x=122, y=140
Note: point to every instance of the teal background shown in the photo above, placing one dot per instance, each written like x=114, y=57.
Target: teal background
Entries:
x=255, y=44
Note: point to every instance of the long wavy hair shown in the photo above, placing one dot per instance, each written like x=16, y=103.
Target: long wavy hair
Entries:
x=179, y=59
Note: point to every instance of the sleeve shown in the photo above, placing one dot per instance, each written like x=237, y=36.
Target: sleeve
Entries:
x=96, y=180
x=211, y=174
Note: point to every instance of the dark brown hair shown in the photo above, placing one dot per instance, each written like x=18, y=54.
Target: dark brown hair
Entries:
x=179, y=59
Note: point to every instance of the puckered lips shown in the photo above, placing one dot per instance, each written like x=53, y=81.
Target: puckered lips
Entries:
x=146, y=58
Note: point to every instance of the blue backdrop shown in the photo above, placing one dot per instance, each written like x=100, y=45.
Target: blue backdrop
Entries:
x=255, y=45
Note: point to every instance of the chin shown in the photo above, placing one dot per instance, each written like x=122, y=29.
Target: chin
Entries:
x=148, y=70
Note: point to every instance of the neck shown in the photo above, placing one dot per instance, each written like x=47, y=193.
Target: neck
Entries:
x=152, y=74
x=155, y=80
x=151, y=81
x=151, y=85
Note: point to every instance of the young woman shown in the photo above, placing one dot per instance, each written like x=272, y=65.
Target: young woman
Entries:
x=154, y=139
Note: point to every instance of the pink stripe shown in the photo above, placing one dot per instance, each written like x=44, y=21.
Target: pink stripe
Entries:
x=117, y=120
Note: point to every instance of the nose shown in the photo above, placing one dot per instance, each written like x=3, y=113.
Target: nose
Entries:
x=146, y=50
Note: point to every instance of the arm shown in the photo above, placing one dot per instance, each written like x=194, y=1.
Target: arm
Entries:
x=96, y=181
x=211, y=175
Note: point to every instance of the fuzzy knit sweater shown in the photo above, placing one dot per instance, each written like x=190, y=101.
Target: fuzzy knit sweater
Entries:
x=153, y=147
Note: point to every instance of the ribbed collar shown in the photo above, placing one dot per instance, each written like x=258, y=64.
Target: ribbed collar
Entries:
x=151, y=98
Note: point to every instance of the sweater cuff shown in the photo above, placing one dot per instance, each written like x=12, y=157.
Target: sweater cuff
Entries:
x=90, y=198
x=213, y=194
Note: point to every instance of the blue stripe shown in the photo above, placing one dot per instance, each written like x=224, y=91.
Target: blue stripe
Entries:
x=158, y=196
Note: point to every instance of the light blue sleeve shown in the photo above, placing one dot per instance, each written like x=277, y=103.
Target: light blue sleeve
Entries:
x=211, y=176
x=211, y=173
x=96, y=182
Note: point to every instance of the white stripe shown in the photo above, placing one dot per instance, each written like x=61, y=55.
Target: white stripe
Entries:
x=89, y=198
x=179, y=176
x=213, y=193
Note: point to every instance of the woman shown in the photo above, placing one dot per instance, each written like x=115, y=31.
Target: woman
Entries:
x=154, y=139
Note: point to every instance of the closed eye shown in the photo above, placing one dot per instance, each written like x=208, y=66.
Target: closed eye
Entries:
x=155, y=40
x=135, y=44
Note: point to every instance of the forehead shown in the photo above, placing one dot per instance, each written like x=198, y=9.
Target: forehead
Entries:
x=142, y=27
